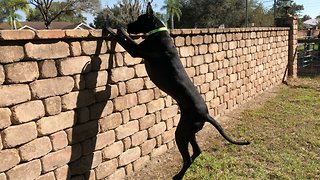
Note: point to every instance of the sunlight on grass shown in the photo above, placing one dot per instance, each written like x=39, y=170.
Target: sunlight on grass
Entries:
x=285, y=135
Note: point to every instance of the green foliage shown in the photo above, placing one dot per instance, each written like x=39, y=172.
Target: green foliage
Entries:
x=173, y=9
x=230, y=13
x=259, y=15
x=285, y=140
x=162, y=17
x=119, y=15
x=305, y=17
x=67, y=16
x=8, y=9
x=212, y=13
x=294, y=8
x=50, y=12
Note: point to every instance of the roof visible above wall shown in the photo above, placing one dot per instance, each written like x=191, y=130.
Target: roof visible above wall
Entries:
x=41, y=25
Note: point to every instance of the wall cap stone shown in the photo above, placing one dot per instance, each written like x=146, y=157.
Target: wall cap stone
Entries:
x=98, y=33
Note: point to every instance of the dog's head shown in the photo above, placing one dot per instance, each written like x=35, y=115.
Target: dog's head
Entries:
x=145, y=23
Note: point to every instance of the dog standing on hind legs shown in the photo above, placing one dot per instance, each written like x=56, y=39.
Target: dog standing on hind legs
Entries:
x=166, y=71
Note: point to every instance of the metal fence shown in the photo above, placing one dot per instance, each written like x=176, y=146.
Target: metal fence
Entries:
x=309, y=57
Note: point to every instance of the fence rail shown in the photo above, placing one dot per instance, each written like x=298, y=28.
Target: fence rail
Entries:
x=309, y=57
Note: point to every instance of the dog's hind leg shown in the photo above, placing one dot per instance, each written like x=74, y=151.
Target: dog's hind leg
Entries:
x=182, y=140
x=195, y=147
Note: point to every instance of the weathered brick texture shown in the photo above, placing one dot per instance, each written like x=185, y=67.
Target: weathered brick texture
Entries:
x=60, y=158
x=48, y=176
x=147, y=121
x=28, y=111
x=21, y=72
x=110, y=122
x=145, y=96
x=17, y=35
x=125, y=102
x=74, y=65
x=50, y=34
x=5, y=118
x=74, y=107
x=140, y=70
x=155, y=105
x=28, y=171
x=140, y=163
x=106, y=168
x=113, y=150
x=59, y=140
x=51, y=124
x=47, y=69
x=2, y=74
x=52, y=105
x=62, y=172
x=9, y=158
x=148, y=146
x=157, y=129
x=51, y=87
x=139, y=137
x=9, y=54
x=118, y=174
x=3, y=176
x=77, y=99
x=138, y=111
x=76, y=33
x=127, y=129
x=122, y=74
x=129, y=156
x=27, y=132
x=35, y=149
x=14, y=94
x=134, y=85
x=47, y=51
x=94, y=47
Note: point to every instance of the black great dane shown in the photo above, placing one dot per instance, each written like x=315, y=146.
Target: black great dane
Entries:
x=167, y=72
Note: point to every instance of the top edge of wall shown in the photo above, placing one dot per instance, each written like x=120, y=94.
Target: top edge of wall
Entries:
x=73, y=34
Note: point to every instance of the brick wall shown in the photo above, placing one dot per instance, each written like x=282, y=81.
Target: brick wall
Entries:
x=75, y=104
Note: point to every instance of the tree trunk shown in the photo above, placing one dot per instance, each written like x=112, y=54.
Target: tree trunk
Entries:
x=14, y=18
x=172, y=21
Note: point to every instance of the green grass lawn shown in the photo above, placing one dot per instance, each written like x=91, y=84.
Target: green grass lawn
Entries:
x=285, y=141
x=301, y=47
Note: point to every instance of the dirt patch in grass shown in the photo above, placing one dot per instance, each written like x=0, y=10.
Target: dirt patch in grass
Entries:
x=283, y=125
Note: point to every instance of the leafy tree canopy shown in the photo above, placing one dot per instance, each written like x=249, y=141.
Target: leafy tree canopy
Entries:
x=49, y=13
x=293, y=9
x=229, y=13
x=68, y=16
x=211, y=13
x=119, y=15
x=173, y=8
x=8, y=11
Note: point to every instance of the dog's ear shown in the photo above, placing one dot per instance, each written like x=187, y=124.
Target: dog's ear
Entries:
x=149, y=10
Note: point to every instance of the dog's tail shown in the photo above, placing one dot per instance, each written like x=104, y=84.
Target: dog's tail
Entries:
x=221, y=131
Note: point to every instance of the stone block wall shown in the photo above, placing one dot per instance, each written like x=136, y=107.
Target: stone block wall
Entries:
x=74, y=104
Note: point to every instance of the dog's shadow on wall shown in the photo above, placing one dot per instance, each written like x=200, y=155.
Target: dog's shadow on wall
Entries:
x=92, y=102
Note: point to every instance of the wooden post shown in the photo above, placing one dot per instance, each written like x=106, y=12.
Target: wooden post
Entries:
x=292, y=22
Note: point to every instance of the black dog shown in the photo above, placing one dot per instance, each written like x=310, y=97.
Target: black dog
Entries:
x=167, y=72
